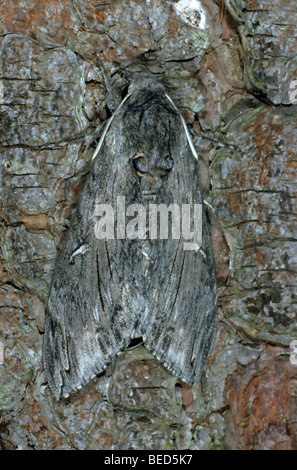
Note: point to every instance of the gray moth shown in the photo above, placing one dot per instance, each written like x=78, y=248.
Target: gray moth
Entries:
x=106, y=291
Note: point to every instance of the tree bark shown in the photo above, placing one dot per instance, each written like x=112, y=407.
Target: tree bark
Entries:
x=230, y=67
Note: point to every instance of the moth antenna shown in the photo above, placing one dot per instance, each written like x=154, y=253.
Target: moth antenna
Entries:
x=112, y=99
x=215, y=141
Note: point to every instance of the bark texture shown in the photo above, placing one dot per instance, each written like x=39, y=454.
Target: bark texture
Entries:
x=229, y=66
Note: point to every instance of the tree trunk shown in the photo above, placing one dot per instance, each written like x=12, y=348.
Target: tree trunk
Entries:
x=229, y=66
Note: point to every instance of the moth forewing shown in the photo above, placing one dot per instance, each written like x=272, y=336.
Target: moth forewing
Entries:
x=107, y=289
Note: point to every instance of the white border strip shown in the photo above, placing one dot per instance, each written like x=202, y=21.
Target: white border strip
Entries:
x=189, y=138
x=108, y=126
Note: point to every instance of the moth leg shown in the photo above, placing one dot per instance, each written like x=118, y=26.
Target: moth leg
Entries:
x=79, y=251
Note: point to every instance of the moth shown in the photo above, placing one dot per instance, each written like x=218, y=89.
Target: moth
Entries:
x=108, y=290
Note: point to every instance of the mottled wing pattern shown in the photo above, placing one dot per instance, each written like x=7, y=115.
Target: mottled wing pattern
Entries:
x=105, y=292
x=180, y=325
x=88, y=318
